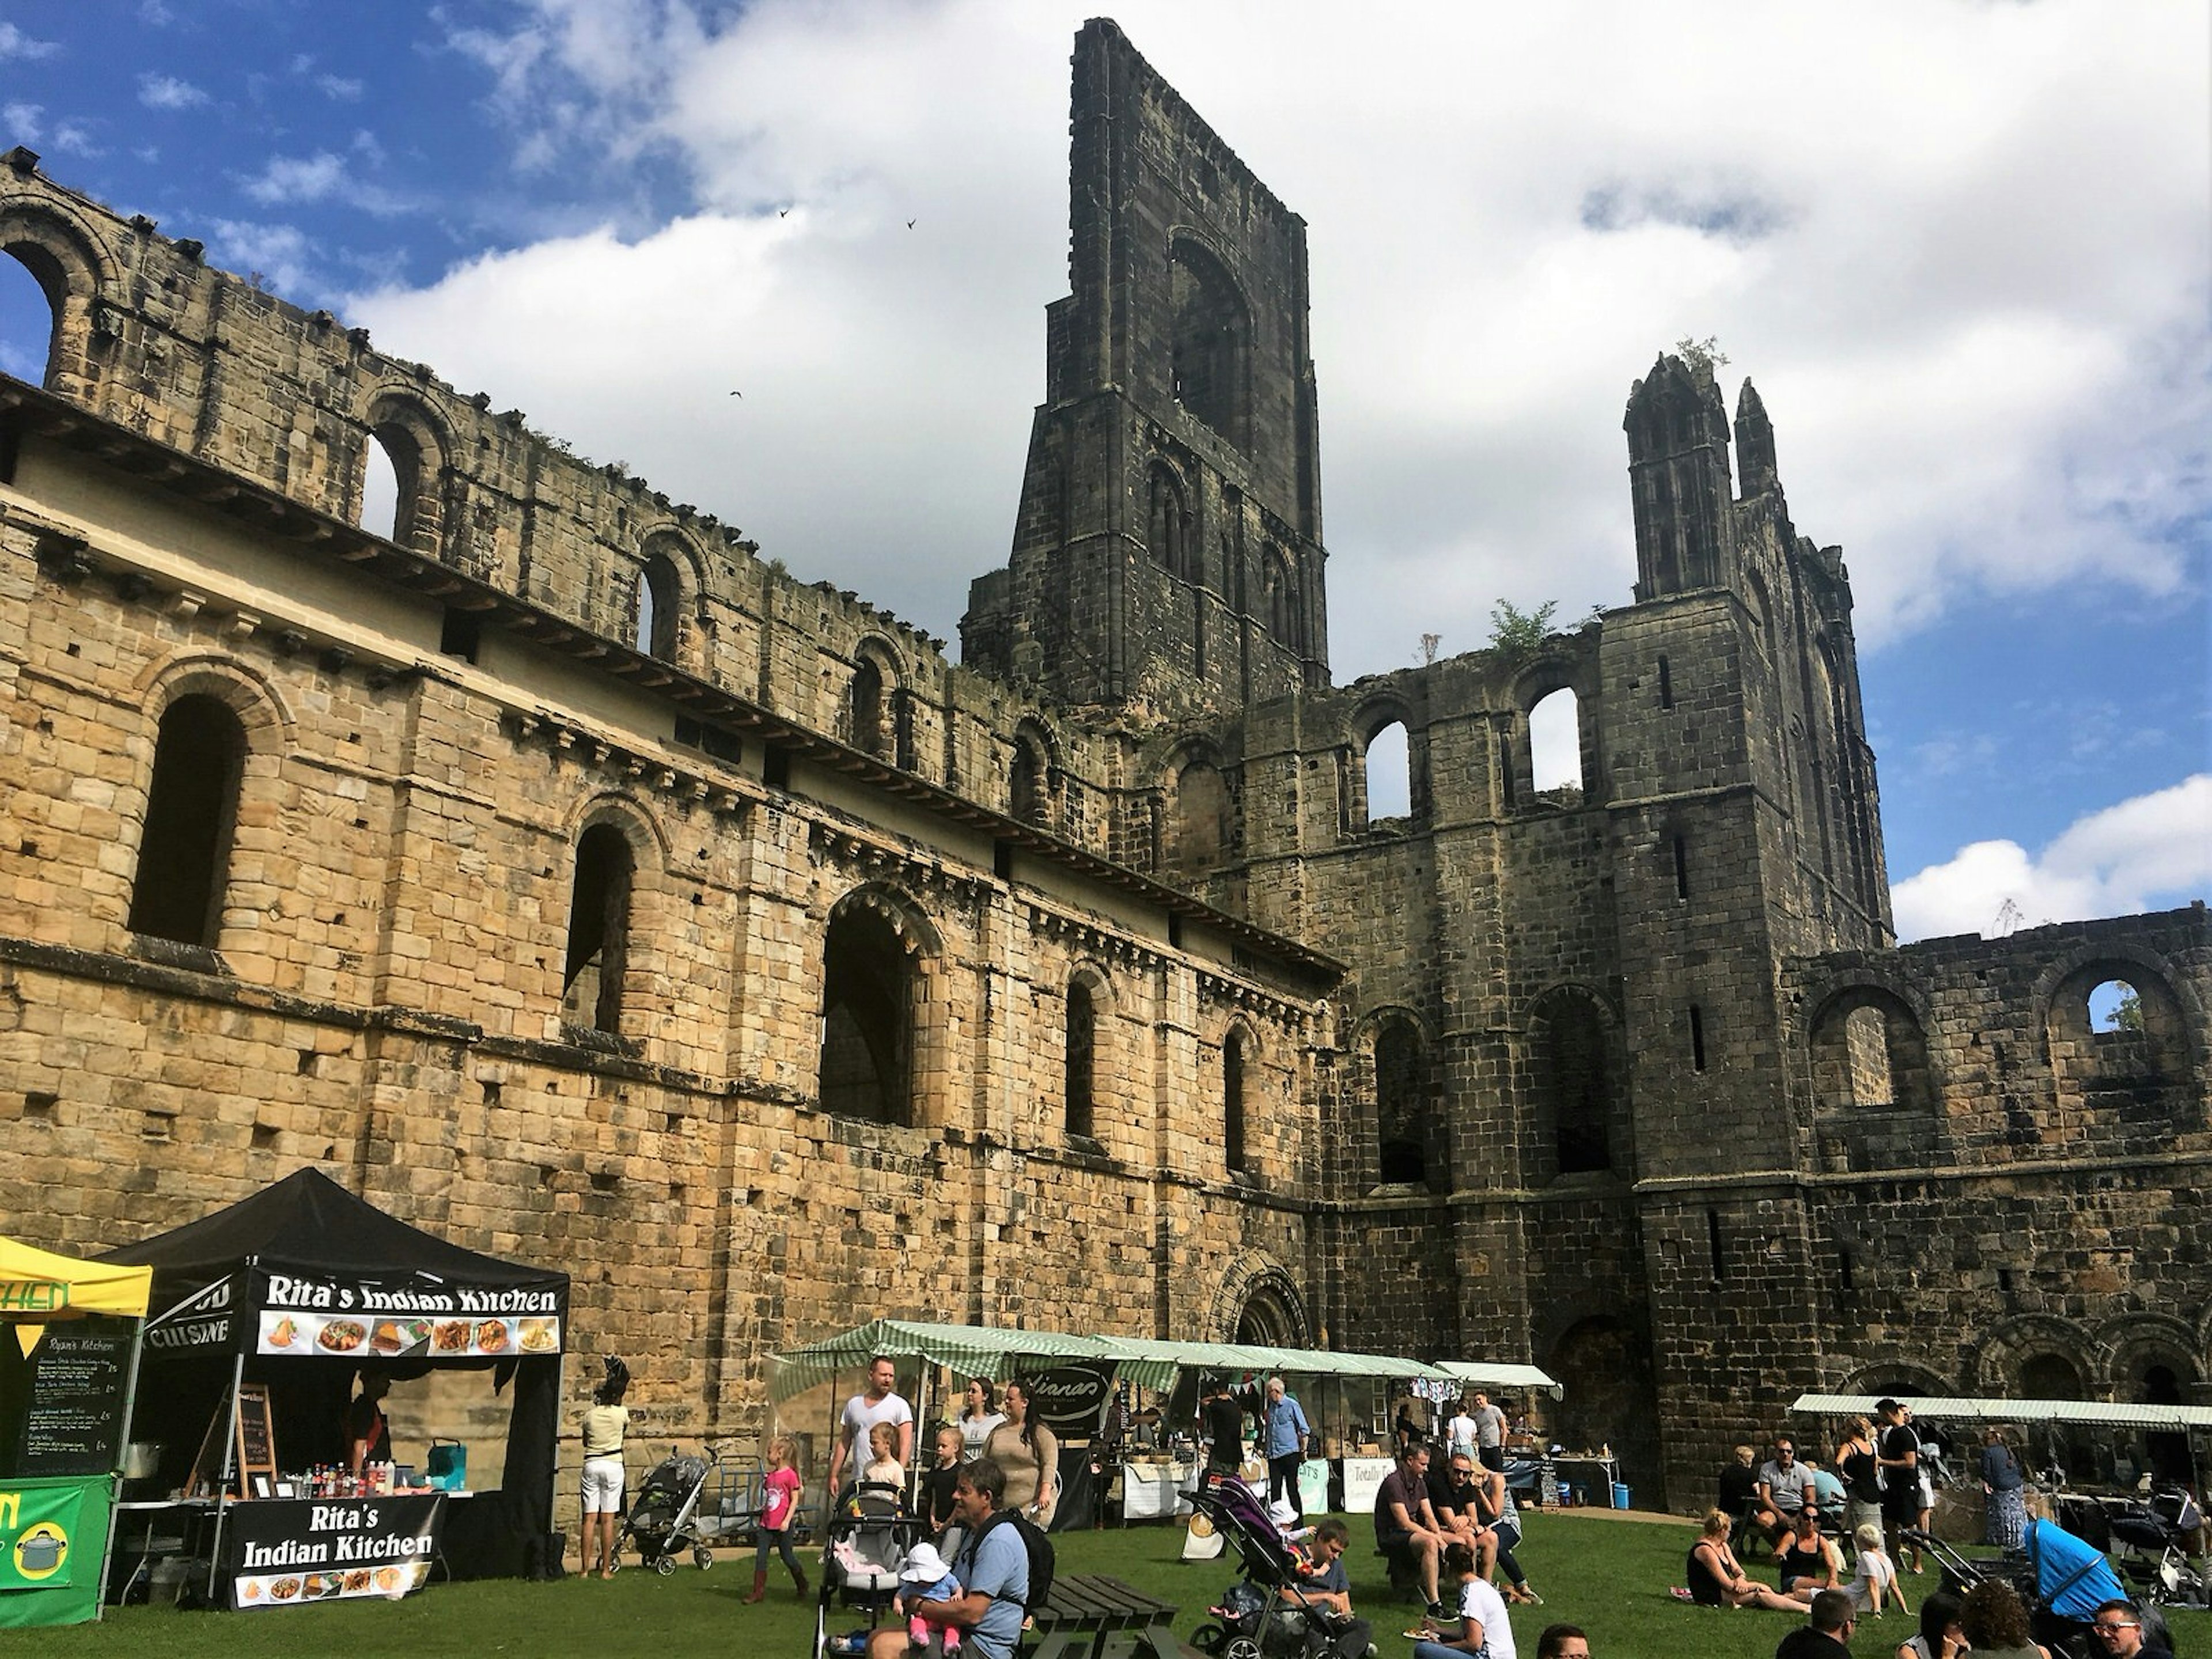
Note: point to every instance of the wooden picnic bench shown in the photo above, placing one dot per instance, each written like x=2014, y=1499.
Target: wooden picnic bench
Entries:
x=1089, y=1615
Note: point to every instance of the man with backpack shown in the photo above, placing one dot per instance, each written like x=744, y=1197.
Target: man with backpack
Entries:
x=994, y=1567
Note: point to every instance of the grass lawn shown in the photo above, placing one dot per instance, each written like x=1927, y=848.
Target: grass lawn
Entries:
x=1609, y=1576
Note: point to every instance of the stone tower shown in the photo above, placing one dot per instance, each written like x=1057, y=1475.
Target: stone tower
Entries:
x=1167, y=554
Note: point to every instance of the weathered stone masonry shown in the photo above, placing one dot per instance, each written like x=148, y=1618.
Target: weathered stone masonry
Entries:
x=592, y=891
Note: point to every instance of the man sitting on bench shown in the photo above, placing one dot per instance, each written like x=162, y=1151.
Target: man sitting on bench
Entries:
x=1405, y=1527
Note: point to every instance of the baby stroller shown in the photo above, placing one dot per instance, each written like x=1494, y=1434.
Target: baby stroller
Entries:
x=863, y=1546
x=664, y=1521
x=2149, y=1543
x=1254, y=1619
x=2061, y=1579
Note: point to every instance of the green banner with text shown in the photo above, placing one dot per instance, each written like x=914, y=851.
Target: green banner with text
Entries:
x=51, y=1536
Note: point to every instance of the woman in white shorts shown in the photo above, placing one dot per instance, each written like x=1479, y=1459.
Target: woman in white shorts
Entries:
x=605, y=1423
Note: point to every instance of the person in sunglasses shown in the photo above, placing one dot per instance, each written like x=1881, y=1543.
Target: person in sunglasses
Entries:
x=2119, y=1625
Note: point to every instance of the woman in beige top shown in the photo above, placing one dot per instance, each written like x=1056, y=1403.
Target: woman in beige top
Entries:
x=1030, y=1455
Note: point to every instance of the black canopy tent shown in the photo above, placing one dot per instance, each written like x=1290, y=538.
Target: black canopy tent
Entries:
x=235, y=1293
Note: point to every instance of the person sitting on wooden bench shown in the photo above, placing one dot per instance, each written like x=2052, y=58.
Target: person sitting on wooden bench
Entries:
x=994, y=1564
x=1407, y=1530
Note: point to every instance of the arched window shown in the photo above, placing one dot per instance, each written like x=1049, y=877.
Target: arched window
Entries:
x=30, y=315
x=1555, y=743
x=391, y=487
x=1173, y=545
x=659, y=597
x=2050, y=1376
x=1211, y=345
x=1406, y=1152
x=1389, y=763
x=1028, y=782
x=2115, y=1005
x=191, y=809
x=868, y=1018
x=1283, y=613
x=1082, y=1055
x=867, y=709
x=1198, y=820
x=598, y=930
x=1232, y=1102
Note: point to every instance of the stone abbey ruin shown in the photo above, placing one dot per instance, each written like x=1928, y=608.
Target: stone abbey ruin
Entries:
x=562, y=875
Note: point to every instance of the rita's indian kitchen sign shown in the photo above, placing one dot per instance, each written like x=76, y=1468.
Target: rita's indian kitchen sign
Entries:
x=305, y=1316
x=285, y=1553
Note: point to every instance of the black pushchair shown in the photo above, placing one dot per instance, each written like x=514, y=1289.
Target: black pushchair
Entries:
x=1266, y=1611
x=863, y=1546
x=2149, y=1546
x=660, y=1523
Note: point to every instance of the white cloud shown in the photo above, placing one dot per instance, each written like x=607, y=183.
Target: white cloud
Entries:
x=340, y=88
x=23, y=120
x=14, y=43
x=1959, y=248
x=286, y=180
x=281, y=255
x=2152, y=851
x=167, y=91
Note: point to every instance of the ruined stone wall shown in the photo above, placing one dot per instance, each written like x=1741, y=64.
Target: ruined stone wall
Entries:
x=202, y=360
x=383, y=995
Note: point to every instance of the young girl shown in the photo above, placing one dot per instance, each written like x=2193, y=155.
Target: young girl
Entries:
x=884, y=1468
x=1483, y=1627
x=779, y=1508
x=1876, y=1582
x=938, y=1483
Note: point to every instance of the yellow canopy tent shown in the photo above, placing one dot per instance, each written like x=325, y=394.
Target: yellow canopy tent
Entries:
x=58, y=1495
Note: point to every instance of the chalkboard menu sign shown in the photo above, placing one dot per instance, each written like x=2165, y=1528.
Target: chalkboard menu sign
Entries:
x=74, y=1425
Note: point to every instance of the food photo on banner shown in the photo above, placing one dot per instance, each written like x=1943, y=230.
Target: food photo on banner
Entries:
x=316, y=1369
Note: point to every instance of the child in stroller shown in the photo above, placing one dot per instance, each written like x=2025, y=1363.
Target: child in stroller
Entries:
x=867, y=1541
x=1287, y=1603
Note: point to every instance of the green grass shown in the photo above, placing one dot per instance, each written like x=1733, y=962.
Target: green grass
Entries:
x=1609, y=1577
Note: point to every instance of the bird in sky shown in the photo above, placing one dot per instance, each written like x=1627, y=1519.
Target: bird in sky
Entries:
x=910, y=224
x=737, y=394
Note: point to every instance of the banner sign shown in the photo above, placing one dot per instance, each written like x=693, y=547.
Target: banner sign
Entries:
x=287, y=1552
x=302, y=1316
x=74, y=1425
x=1068, y=1398
x=199, y=1323
x=38, y=1547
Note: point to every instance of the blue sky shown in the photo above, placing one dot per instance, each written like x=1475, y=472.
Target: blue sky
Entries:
x=1961, y=245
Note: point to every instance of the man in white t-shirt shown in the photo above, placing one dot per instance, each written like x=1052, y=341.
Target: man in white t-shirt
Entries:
x=880, y=1404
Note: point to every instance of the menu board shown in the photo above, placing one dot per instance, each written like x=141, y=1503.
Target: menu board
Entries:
x=74, y=1423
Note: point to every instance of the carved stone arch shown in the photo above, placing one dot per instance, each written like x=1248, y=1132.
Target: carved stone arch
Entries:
x=1395, y=1048
x=80, y=279
x=1877, y=1098
x=1583, y=1121
x=216, y=735
x=1550, y=673
x=1088, y=1054
x=2007, y=1353
x=1033, y=774
x=618, y=859
x=665, y=596
x=1171, y=527
x=878, y=717
x=1898, y=1372
x=2128, y=1344
x=1210, y=340
x=1198, y=829
x=2160, y=1060
x=1370, y=719
x=420, y=449
x=880, y=965
x=1259, y=1303
x=1241, y=1057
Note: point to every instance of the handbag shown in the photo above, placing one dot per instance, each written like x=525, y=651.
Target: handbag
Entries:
x=1314, y=1451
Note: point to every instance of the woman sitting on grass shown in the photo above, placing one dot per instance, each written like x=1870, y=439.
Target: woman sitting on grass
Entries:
x=1717, y=1581
x=1483, y=1628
